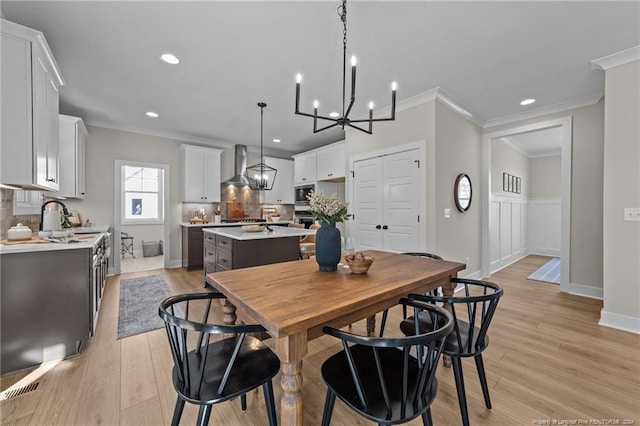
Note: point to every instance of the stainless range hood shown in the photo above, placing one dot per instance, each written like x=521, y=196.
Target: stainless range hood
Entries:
x=240, y=167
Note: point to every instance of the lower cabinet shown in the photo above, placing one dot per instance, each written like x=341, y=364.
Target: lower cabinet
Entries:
x=45, y=311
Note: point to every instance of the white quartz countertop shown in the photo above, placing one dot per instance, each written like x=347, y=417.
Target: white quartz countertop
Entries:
x=231, y=224
x=278, y=232
x=82, y=243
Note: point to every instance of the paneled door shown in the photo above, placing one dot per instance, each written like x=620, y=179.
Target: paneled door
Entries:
x=386, y=202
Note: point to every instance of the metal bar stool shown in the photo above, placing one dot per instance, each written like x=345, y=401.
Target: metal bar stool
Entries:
x=126, y=244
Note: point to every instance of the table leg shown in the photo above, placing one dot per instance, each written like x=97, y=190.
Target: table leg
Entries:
x=229, y=311
x=371, y=325
x=291, y=350
x=447, y=291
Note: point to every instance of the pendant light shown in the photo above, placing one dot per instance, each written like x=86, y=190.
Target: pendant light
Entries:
x=344, y=120
x=261, y=176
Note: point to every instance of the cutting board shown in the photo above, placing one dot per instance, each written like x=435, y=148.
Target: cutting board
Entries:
x=235, y=210
x=31, y=241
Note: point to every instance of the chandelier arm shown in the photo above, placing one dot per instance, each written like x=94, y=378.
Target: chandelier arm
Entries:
x=366, y=120
x=369, y=132
x=324, y=128
x=321, y=117
x=353, y=91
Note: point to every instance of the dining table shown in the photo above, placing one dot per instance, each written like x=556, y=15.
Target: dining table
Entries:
x=294, y=300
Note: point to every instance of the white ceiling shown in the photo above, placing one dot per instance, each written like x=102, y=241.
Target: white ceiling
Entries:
x=538, y=143
x=487, y=55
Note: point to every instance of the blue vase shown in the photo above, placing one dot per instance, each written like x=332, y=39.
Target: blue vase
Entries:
x=328, y=247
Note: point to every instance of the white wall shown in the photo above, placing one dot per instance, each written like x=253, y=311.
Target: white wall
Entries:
x=505, y=159
x=621, y=189
x=544, y=177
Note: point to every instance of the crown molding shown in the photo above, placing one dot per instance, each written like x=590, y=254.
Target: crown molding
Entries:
x=551, y=109
x=616, y=59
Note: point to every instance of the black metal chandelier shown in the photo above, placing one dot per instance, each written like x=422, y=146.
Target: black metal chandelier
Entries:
x=261, y=176
x=344, y=120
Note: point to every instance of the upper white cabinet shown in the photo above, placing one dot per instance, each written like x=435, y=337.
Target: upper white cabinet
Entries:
x=305, y=168
x=29, y=96
x=282, y=192
x=330, y=162
x=73, y=135
x=200, y=174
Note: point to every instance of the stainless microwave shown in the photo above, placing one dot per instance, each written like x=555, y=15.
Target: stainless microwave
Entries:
x=301, y=193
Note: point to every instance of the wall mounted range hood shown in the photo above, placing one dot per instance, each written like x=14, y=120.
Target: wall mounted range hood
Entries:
x=240, y=167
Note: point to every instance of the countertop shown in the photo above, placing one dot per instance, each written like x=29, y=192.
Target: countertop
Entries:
x=278, y=232
x=83, y=243
x=231, y=224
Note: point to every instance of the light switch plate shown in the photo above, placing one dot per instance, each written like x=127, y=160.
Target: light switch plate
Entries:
x=632, y=214
x=447, y=213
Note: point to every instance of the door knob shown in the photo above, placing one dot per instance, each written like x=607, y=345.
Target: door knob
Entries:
x=378, y=226
x=385, y=227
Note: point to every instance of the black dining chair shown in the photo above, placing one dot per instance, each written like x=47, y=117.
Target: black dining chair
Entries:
x=388, y=380
x=214, y=363
x=472, y=312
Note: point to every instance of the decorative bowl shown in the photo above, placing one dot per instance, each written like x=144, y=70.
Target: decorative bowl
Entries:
x=359, y=266
x=275, y=218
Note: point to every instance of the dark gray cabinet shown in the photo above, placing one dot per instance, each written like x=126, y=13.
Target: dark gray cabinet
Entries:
x=45, y=302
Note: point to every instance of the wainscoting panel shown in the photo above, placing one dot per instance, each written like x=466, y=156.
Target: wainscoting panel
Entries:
x=508, y=228
x=544, y=227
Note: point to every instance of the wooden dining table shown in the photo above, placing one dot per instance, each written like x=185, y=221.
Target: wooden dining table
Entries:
x=294, y=300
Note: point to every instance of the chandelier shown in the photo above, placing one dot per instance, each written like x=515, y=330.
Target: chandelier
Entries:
x=261, y=176
x=335, y=118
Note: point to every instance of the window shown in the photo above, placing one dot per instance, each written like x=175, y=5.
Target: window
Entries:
x=142, y=189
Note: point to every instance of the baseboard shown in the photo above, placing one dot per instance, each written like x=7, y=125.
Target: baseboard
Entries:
x=586, y=291
x=507, y=261
x=619, y=321
x=545, y=252
x=175, y=263
x=477, y=275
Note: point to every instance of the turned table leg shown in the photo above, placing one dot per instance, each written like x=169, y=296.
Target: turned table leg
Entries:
x=291, y=350
x=371, y=325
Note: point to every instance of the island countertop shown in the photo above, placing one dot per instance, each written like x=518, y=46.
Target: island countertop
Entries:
x=231, y=224
x=237, y=233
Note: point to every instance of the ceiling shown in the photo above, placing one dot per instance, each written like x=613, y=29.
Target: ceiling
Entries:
x=538, y=143
x=487, y=56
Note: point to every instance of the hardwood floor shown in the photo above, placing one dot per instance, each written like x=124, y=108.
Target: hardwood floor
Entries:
x=548, y=360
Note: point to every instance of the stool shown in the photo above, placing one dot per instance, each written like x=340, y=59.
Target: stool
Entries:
x=126, y=244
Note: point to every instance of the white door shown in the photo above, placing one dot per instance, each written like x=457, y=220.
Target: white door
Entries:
x=400, y=203
x=367, y=204
x=386, y=202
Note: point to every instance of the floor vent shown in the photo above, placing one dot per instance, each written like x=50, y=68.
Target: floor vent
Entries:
x=19, y=391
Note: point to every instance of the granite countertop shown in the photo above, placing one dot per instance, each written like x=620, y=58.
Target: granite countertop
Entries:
x=231, y=224
x=237, y=233
x=85, y=236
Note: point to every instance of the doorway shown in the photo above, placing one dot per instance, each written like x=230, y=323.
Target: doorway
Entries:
x=491, y=217
x=141, y=206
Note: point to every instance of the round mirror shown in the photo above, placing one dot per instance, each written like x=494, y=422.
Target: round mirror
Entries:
x=462, y=192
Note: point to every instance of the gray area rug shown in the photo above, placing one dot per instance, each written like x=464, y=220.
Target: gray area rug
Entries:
x=549, y=272
x=139, y=301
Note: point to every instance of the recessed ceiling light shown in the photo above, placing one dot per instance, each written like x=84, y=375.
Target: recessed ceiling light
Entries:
x=152, y=114
x=527, y=101
x=276, y=140
x=334, y=114
x=170, y=58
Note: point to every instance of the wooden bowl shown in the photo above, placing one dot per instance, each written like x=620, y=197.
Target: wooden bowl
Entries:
x=360, y=266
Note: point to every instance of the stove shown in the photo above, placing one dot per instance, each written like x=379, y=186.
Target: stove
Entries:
x=243, y=220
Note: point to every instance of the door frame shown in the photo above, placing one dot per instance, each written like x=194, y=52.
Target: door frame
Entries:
x=565, y=192
x=117, y=206
x=425, y=233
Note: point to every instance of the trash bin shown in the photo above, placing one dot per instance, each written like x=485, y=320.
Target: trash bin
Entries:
x=151, y=248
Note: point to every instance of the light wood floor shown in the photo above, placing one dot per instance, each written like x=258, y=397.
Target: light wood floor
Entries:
x=548, y=360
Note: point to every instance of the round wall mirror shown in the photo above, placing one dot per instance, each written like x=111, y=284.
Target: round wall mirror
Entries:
x=462, y=192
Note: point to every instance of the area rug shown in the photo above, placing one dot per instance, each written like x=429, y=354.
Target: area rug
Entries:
x=549, y=272
x=139, y=301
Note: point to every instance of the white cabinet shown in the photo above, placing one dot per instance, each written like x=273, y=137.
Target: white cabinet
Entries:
x=73, y=135
x=282, y=192
x=330, y=162
x=200, y=174
x=305, y=168
x=29, y=96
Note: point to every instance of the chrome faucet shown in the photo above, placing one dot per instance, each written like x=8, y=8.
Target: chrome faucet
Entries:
x=64, y=210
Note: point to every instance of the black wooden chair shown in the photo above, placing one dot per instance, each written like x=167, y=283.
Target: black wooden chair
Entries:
x=388, y=380
x=427, y=255
x=472, y=314
x=214, y=363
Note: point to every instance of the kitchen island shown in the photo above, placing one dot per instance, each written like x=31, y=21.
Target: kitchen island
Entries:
x=234, y=248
